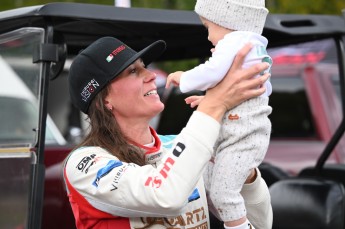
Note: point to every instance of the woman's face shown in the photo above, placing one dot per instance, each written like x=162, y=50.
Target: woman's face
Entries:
x=133, y=94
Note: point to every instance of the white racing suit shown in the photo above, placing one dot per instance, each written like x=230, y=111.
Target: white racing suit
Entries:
x=107, y=193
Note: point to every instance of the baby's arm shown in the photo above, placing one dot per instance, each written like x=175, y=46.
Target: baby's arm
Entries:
x=173, y=78
x=210, y=73
x=194, y=100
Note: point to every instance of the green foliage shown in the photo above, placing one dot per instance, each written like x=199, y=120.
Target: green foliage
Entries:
x=11, y=4
x=162, y=4
x=165, y=4
x=182, y=65
x=305, y=6
x=274, y=6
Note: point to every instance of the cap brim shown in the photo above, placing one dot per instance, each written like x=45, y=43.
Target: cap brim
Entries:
x=148, y=54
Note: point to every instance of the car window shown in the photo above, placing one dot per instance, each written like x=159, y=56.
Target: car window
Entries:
x=292, y=99
x=291, y=116
x=18, y=118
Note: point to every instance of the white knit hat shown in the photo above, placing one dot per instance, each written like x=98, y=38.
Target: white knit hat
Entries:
x=243, y=15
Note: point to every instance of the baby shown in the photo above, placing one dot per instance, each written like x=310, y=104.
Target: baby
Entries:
x=245, y=132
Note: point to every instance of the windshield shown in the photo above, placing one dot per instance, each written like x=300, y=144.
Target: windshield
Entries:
x=19, y=90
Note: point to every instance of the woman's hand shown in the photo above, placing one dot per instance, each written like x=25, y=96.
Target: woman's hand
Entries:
x=237, y=86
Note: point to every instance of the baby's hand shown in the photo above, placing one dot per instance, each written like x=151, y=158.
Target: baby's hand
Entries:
x=194, y=100
x=173, y=78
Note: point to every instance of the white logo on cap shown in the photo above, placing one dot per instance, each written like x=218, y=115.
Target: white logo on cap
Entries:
x=89, y=89
x=110, y=57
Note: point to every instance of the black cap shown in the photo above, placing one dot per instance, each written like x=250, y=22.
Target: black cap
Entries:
x=101, y=62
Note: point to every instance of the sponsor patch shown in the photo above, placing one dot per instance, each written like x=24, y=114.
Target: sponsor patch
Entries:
x=90, y=88
x=195, y=219
x=194, y=196
x=116, y=51
x=105, y=170
x=86, y=163
x=179, y=149
x=118, y=175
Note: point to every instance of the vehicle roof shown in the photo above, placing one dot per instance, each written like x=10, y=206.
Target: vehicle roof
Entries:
x=80, y=24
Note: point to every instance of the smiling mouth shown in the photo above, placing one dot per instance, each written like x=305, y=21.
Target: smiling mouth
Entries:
x=153, y=92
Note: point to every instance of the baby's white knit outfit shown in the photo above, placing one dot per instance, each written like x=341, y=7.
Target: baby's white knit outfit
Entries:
x=245, y=133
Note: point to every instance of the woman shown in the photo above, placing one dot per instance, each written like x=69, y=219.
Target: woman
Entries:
x=123, y=175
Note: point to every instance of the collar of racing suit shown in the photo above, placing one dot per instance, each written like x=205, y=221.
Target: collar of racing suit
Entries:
x=152, y=154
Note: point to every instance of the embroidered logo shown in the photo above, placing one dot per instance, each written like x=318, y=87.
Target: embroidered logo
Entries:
x=110, y=57
x=196, y=219
x=233, y=117
x=86, y=163
x=105, y=170
x=116, y=51
x=89, y=89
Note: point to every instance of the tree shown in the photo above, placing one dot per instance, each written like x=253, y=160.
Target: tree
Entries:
x=274, y=6
x=305, y=6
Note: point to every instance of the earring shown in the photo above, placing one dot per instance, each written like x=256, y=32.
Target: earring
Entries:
x=109, y=107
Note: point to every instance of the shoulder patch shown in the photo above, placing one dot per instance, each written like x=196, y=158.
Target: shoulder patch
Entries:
x=167, y=140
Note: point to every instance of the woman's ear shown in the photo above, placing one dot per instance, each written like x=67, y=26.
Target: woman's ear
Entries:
x=108, y=105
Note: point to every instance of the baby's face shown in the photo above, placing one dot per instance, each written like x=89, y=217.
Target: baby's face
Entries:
x=215, y=32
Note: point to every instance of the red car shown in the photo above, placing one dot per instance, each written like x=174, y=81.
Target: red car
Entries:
x=40, y=126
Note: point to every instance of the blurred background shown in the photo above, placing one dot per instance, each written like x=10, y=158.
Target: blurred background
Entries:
x=274, y=6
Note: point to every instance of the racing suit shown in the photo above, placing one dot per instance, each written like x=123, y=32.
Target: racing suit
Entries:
x=105, y=192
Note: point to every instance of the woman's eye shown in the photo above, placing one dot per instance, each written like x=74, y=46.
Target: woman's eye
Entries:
x=134, y=70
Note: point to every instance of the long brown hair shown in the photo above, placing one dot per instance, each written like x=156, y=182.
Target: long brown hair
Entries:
x=105, y=132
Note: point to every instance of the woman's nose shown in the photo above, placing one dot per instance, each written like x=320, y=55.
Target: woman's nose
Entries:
x=150, y=75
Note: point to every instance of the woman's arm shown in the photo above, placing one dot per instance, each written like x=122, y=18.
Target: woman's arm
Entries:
x=129, y=190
